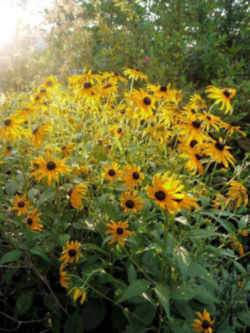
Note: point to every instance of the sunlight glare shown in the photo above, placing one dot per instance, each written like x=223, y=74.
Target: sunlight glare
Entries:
x=9, y=16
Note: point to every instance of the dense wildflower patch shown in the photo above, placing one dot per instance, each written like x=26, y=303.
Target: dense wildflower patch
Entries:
x=131, y=192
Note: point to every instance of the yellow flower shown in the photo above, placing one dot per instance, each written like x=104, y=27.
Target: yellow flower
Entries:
x=50, y=168
x=111, y=172
x=166, y=190
x=11, y=128
x=143, y=101
x=32, y=220
x=119, y=232
x=77, y=194
x=222, y=96
x=204, y=324
x=132, y=176
x=237, y=193
x=21, y=205
x=39, y=132
x=71, y=252
x=135, y=74
x=78, y=293
x=64, y=278
x=131, y=203
x=219, y=152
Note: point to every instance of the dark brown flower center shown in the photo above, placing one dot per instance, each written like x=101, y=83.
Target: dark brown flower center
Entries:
x=21, y=204
x=9, y=148
x=87, y=85
x=119, y=130
x=226, y=93
x=108, y=86
x=209, y=118
x=219, y=145
x=72, y=253
x=119, y=231
x=130, y=204
x=206, y=324
x=37, y=98
x=29, y=221
x=111, y=173
x=199, y=157
x=196, y=124
x=51, y=165
x=163, y=88
x=43, y=90
x=136, y=175
x=146, y=100
x=36, y=165
x=160, y=195
x=193, y=143
x=49, y=83
x=7, y=122
x=35, y=130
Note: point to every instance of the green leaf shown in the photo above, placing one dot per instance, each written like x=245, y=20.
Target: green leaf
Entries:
x=92, y=314
x=245, y=317
x=146, y=312
x=24, y=302
x=184, y=293
x=10, y=257
x=39, y=252
x=74, y=323
x=203, y=295
x=132, y=275
x=135, y=289
x=162, y=292
x=199, y=234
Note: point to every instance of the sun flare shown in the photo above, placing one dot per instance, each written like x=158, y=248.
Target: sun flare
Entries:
x=9, y=17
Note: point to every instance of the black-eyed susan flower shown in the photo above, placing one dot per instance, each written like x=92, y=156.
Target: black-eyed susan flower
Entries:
x=67, y=149
x=130, y=202
x=223, y=96
x=50, y=168
x=77, y=194
x=116, y=130
x=187, y=202
x=11, y=128
x=51, y=82
x=204, y=324
x=64, y=278
x=166, y=190
x=32, y=220
x=197, y=101
x=193, y=164
x=39, y=133
x=135, y=74
x=21, y=205
x=218, y=151
x=132, y=176
x=111, y=172
x=119, y=232
x=78, y=293
x=237, y=194
x=143, y=101
x=71, y=252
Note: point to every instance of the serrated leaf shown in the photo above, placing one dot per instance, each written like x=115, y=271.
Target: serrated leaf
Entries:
x=135, y=289
x=10, y=257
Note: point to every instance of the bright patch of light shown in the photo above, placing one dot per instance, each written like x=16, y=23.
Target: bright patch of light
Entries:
x=9, y=16
x=12, y=16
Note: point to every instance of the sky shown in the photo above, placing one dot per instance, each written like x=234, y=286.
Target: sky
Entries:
x=11, y=14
